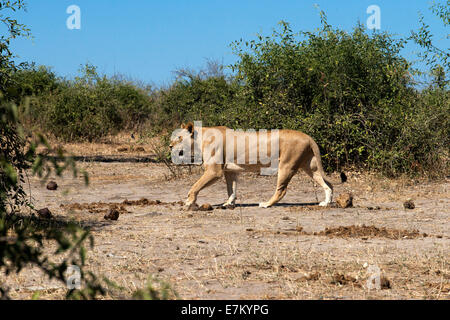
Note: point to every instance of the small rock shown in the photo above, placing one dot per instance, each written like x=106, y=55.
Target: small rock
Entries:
x=409, y=204
x=112, y=214
x=45, y=213
x=206, y=207
x=345, y=200
x=52, y=185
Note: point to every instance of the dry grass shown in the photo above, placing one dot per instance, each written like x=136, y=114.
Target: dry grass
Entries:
x=283, y=252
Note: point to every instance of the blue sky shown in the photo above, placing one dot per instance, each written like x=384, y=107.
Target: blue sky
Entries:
x=146, y=40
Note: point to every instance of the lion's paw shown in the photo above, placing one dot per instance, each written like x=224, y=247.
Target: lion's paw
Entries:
x=230, y=206
x=191, y=207
x=264, y=205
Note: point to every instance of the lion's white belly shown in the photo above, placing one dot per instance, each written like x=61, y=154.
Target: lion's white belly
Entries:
x=234, y=167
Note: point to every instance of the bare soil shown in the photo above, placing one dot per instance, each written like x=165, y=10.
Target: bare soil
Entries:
x=294, y=250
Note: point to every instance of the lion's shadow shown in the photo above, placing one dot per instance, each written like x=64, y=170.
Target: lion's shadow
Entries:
x=284, y=204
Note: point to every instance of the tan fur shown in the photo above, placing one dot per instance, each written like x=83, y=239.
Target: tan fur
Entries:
x=296, y=151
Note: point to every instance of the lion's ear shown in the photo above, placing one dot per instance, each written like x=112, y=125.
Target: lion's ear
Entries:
x=190, y=127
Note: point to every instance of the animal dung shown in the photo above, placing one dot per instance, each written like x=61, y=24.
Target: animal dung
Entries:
x=342, y=279
x=45, y=213
x=345, y=200
x=52, y=185
x=385, y=283
x=112, y=214
x=409, y=204
x=206, y=207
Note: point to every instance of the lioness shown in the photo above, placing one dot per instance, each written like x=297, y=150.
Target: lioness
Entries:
x=226, y=154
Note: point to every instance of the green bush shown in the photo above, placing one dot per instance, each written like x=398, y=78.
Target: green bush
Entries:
x=352, y=92
x=83, y=109
x=323, y=84
x=88, y=107
x=200, y=99
x=32, y=81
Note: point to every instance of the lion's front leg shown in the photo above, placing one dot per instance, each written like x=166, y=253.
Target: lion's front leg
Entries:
x=208, y=178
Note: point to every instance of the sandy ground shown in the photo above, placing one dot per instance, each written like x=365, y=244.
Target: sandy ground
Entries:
x=284, y=252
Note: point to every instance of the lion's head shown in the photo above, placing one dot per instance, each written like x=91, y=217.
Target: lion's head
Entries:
x=182, y=140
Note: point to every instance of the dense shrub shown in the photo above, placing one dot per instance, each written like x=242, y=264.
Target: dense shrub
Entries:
x=88, y=107
x=207, y=100
x=352, y=92
x=323, y=83
x=33, y=81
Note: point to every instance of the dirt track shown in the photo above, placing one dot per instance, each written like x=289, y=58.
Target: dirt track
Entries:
x=284, y=252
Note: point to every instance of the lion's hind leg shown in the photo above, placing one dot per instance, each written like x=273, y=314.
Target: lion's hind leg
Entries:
x=312, y=171
x=231, y=179
x=284, y=176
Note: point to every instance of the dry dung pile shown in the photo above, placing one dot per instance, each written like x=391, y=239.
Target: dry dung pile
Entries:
x=368, y=231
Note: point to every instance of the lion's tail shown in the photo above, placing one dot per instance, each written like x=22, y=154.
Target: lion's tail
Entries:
x=316, y=151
